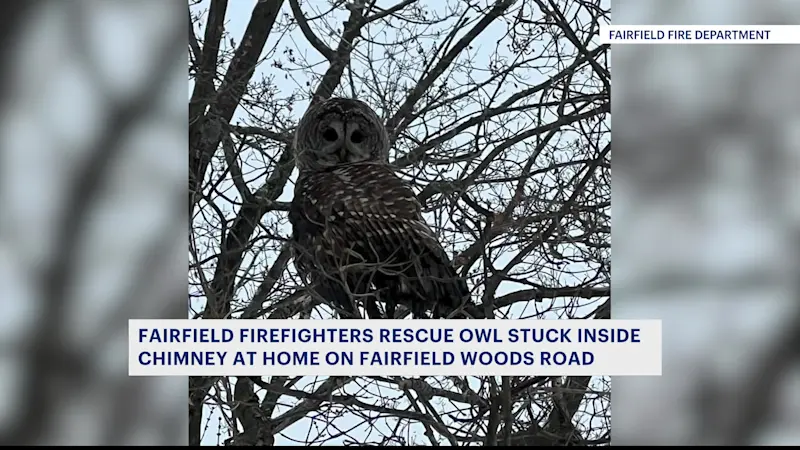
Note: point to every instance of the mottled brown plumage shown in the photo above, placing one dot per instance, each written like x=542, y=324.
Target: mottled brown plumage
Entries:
x=358, y=229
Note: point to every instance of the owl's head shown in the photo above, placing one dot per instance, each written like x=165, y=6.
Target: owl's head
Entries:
x=339, y=131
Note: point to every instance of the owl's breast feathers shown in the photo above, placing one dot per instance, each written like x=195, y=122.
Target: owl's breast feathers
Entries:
x=365, y=214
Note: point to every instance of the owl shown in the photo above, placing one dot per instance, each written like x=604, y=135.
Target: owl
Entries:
x=358, y=232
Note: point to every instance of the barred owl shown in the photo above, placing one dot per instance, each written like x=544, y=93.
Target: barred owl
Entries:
x=358, y=231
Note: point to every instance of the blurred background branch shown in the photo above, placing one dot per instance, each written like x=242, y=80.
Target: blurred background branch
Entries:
x=86, y=243
x=706, y=227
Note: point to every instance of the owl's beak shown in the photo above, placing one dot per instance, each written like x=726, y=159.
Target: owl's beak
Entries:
x=337, y=139
x=343, y=152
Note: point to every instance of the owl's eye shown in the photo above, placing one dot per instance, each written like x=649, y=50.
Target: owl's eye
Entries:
x=356, y=137
x=330, y=135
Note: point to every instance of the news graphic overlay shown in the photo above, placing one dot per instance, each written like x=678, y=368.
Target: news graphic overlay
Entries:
x=699, y=34
x=394, y=347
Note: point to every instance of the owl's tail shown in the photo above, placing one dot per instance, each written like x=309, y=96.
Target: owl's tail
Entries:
x=448, y=293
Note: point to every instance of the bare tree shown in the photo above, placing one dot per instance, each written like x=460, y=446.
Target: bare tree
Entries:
x=499, y=115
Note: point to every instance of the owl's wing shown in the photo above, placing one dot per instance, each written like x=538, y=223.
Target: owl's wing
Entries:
x=367, y=210
x=376, y=209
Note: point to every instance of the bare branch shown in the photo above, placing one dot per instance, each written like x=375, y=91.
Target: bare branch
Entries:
x=315, y=42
